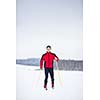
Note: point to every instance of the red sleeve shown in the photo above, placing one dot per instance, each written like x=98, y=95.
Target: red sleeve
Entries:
x=56, y=57
x=41, y=62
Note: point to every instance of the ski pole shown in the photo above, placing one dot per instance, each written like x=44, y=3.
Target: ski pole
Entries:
x=39, y=75
x=38, y=78
x=60, y=81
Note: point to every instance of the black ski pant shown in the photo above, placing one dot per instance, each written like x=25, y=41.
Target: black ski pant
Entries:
x=47, y=71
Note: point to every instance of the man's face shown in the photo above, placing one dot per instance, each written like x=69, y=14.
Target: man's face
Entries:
x=48, y=49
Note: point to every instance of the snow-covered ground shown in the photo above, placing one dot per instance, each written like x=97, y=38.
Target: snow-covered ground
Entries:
x=68, y=84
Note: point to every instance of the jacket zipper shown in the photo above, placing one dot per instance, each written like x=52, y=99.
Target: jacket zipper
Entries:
x=48, y=60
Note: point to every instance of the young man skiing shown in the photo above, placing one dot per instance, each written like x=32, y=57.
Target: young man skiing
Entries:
x=47, y=60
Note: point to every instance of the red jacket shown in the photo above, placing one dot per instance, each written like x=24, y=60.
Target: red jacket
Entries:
x=48, y=59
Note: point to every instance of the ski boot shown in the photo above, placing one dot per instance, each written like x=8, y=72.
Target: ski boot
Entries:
x=45, y=87
x=52, y=86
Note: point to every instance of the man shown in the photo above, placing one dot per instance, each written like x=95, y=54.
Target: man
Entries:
x=47, y=59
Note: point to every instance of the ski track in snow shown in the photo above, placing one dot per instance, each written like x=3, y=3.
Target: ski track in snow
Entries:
x=30, y=81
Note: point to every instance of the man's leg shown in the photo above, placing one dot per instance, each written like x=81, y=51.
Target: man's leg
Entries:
x=46, y=78
x=52, y=76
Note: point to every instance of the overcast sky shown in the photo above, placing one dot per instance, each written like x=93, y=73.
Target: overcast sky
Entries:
x=49, y=22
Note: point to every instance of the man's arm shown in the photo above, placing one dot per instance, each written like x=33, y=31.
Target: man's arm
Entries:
x=41, y=62
x=56, y=58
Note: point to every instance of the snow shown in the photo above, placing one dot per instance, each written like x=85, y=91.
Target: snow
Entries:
x=29, y=80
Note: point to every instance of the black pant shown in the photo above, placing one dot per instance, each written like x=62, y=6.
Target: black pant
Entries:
x=49, y=70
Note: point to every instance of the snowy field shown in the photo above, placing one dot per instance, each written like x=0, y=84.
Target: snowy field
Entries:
x=29, y=80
